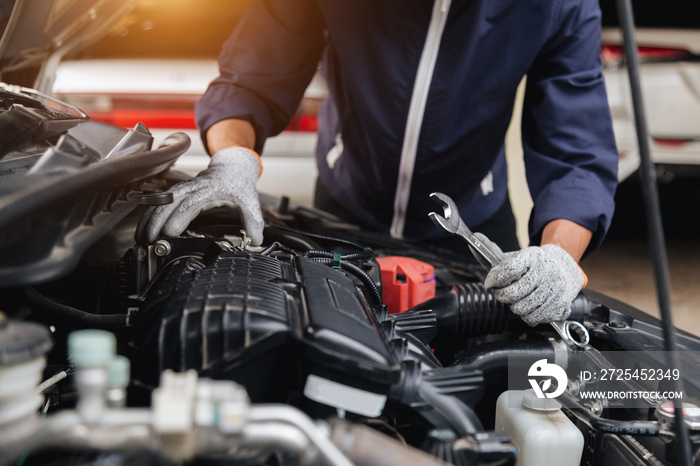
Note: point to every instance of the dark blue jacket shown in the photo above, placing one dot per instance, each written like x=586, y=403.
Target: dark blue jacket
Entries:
x=391, y=145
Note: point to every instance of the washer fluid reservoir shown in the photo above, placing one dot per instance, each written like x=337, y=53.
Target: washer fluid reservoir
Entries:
x=540, y=431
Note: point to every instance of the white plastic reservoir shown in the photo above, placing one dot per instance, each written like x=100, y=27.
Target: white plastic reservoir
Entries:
x=540, y=431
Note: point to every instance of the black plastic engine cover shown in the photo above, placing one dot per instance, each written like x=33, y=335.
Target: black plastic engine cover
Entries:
x=264, y=322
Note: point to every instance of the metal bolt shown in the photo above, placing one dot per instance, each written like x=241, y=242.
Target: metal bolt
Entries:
x=597, y=407
x=575, y=387
x=162, y=248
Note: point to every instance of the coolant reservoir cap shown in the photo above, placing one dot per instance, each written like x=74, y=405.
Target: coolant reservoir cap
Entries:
x=665, y=412
x=22, y=341
x=530, y=400
x=91, y=348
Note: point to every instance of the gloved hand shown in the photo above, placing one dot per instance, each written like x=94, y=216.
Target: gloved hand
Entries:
x=539, y=283
x=228, y=181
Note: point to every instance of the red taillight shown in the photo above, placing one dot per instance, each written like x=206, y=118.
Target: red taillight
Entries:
x=615, y=53
x=661, y=53
x=668, y=142
x=172, y=111
x=127, y=118
x=306, y=118
x=611, y=53
x=303, y=123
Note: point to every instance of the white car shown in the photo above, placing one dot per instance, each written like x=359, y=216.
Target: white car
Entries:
x=147, y=70
x=161, y=94
x=668, y=40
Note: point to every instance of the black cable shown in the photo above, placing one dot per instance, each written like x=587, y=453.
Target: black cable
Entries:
x=610, y=426
x=277, y=246
x=365, y=279
x=360, y=274
x=367, y=254
x=653, y=215
x=82, y=318
x=318, y=253
x=297, y=241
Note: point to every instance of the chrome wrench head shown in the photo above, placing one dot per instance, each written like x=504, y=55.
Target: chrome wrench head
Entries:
x=449, y=220
x=568, y=328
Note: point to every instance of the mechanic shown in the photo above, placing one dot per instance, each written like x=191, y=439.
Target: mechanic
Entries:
x=420, y=97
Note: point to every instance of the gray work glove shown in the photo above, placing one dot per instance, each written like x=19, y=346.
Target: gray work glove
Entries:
x=228, y=181
x=539, y=283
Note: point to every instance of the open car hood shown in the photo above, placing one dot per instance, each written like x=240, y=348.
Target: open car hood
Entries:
x=36, y=34
x=66, y=181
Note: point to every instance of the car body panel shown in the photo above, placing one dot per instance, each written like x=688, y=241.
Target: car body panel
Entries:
x=671, y=96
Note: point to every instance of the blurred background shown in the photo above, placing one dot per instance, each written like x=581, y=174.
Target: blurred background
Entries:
x=153, y=66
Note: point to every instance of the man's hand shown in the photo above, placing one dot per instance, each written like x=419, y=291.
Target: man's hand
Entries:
x=228, y=181
x=539, y=283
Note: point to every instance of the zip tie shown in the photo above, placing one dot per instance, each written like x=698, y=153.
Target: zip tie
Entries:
x=336, y=261
x=368, y=261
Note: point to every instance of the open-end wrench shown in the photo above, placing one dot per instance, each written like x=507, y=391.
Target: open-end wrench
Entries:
x=451, y=222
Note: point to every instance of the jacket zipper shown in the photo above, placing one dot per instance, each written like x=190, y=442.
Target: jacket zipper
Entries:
x=416, y=110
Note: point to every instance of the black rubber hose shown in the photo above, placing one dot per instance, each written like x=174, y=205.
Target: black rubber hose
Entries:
x=463, y=420
x=360, y=274
x=610, y=426
x=81, y=318
x=491, y=358
x=469, y=310
x=480, y=313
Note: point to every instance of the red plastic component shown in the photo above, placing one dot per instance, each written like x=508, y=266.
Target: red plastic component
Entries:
x=406, y=282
